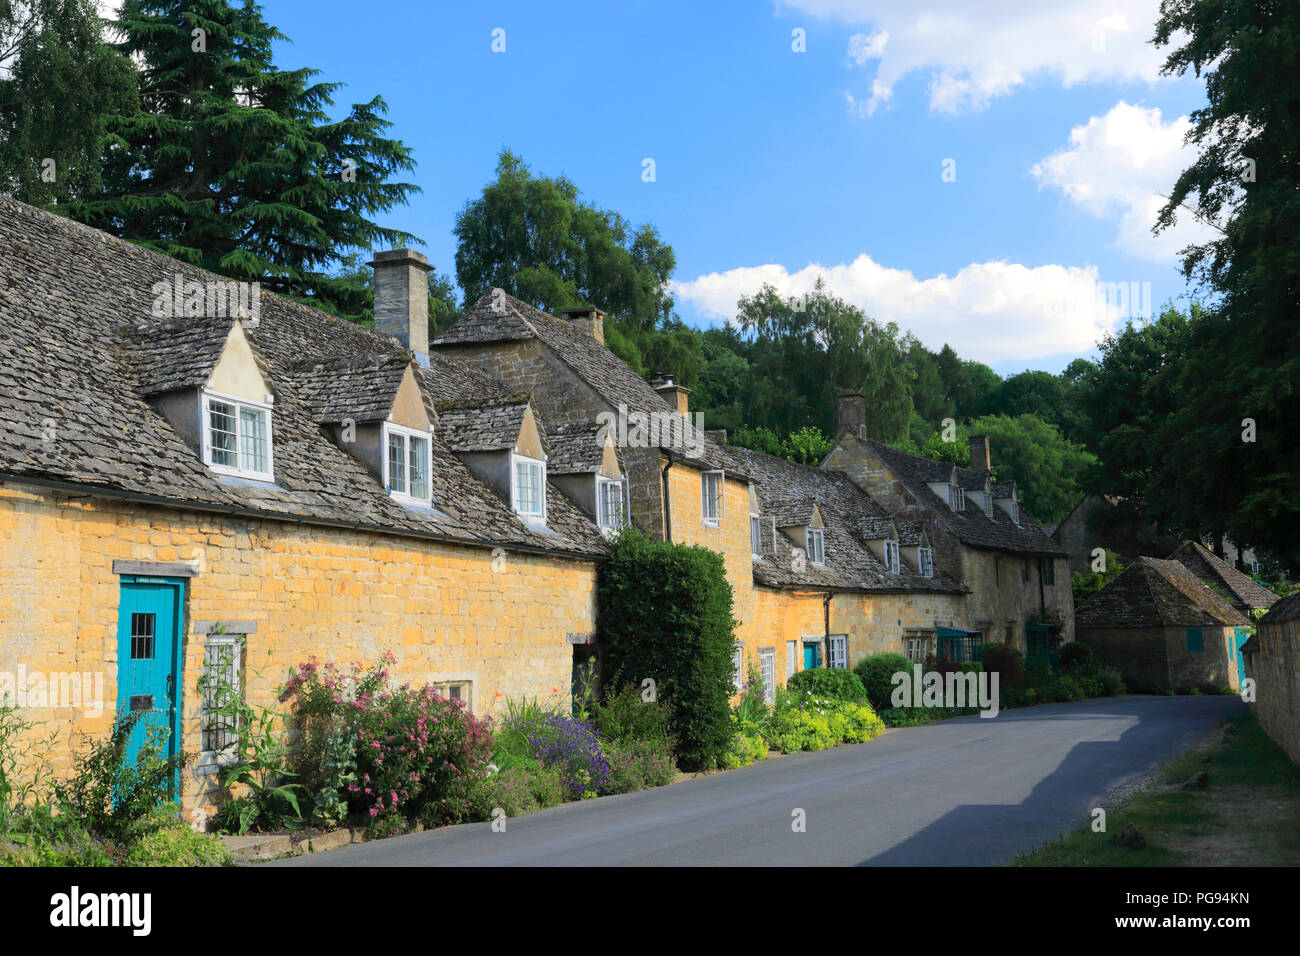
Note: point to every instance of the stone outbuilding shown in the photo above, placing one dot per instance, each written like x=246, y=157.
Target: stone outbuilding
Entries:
x=1162, y=628
x=1273, y=662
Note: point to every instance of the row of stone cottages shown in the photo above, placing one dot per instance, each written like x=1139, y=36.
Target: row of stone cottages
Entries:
x=185, y=490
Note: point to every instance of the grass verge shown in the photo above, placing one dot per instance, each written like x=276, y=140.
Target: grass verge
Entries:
x=1248, y=815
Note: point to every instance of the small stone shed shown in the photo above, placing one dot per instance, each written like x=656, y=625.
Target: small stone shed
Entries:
x=1273, y=662
x=1162, y=628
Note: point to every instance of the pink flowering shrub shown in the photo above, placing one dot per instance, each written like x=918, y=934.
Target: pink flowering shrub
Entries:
x=393, y=754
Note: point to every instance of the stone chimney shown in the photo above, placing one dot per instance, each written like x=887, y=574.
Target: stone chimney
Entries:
x=589, y=318
x=677, y=396
x=851, y=411
x=979, y=452
x=402, y=299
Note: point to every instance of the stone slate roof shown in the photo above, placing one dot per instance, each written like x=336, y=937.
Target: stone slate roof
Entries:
x=845, y=508
x=72, y=300
x=995, y=532
x=169, y=354
x=488, y=425
x=576, y=449
x=500, y=317
x=1219, y=575
x=1286, y=609
x=1004, y=489
x=1154, y=592
x=788, y=510
x=360, y=387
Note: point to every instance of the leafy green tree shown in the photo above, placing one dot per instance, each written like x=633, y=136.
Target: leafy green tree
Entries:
x=535, y=238
x=1245, y=355
x=1085, y=584
x=233, y=164
x=1046, y=467
x=60, y=81
x=758, y=438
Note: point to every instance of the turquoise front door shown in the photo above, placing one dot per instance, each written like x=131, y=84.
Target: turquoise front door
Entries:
x=148, y=645
x=1239, y=636
x=809, y=656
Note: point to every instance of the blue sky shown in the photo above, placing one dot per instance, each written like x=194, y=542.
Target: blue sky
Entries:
x=778, y=165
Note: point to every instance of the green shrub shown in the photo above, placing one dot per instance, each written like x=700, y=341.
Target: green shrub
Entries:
x=520, y=790
x=1007, y=662
x=832, y=682
x=107, y=793
x=166, y=840
x=1091, y=686
x=1038, y=673
x=665, y=613
x=1069, y=689
x=817, y=723
x=1111, y=682
x=1078, y=658
x=639, y=765
x=623, y=715
x=876, y=673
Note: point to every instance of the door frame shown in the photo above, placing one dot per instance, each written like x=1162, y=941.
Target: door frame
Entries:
x=177, y=586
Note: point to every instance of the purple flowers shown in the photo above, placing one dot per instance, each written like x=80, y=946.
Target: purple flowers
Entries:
x=573, y=745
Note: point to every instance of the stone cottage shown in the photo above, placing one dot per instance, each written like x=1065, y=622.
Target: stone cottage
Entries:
x=1273, y=662
x=219, y=491
x=1162, y=628
x=1243, y=593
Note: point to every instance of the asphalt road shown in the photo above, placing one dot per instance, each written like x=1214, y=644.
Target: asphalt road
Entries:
x=964, y=792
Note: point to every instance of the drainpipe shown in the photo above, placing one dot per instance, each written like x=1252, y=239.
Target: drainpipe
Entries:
x=668, y=511
x=826, y=639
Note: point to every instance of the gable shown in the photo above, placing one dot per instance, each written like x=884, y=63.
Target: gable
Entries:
x=237, y=373
x=408, y=404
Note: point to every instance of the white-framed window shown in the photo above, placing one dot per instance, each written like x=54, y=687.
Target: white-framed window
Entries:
x=791, y=657
x=917, y=648
x=755, y=536
x=408, y=462
x=610, y=507
x=839, y=651
x=461, y=690
x=711, y=491
x=528, y=487
x=1015, y=511
x=925, y=557
x=737, y=666
x=816, y=546
x=956, y=498
x=892, y=556
x=767, y=668
x=987, y=500
x=237, y=436
x=220, y=687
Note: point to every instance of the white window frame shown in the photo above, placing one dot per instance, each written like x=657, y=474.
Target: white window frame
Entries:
x=893, y=556
x=767, y=670
x=393, y=430
x=817, y=555
x=837, y=654
x=791, y=658
x=925, y=562
x=515, y=462
x=1015, y=511
x=224, y=756
x=207, y=396
x=602, y=516
x=713, y=521
x=443, y=687
x=916, y=647
x=755, y=535
x=737, y=666
x=956, y=497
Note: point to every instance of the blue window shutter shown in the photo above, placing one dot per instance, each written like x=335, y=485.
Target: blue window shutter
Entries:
x=1194, y=641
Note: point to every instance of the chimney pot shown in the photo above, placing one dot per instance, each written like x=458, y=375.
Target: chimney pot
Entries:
x=979, y=452
x=402, y=298
x=589, y=318
x=851, y=412
x=675, y=395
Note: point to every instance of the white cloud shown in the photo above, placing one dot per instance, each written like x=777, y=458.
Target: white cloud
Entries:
x=988, y=311
x=1120, y=166
x=975, y=52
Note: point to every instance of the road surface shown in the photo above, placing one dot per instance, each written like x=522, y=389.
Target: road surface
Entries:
x=963, y=792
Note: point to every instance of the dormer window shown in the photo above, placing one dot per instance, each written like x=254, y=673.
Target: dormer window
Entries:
x=711, y=489
x=956, y=498
x=816, y=546
x=925, y=558
x=528, y=491
x=407, y=463
x=609, y=501
x=755, y=536
x=1015, y=511
x=893, y=556
x=987, y=499
x=237, y=436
